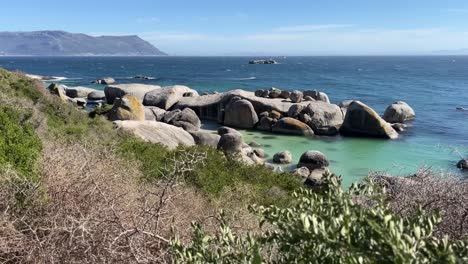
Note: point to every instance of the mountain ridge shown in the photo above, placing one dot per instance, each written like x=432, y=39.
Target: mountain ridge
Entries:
x=62, y=43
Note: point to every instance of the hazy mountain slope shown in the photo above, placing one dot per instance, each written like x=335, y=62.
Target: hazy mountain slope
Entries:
x=64, y=43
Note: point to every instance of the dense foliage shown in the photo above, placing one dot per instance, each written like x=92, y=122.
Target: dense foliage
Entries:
x=328, y=226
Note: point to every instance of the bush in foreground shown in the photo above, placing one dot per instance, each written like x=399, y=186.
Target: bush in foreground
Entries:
x=329, y=226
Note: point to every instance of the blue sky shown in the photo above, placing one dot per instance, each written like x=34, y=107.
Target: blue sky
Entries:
x=288, y=27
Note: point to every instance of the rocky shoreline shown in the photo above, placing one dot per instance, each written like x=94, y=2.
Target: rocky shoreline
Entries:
x=173, y=115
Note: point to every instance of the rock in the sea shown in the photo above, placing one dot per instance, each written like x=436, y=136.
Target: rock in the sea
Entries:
x=230, y=143
x=399, y=112
x=96, y=95
x=186, y=119
x=157, y=132
x=296, y=96
x=274, y=92
x=463, y=164
x=127, y=108
x=295, y=110
x=118, y=91
x=168, y=96
x=255, y=144
x=288, y=125
x=265, y=124
x=240, y=113
x=260, y=153
x=107, y=81
x=325, y=118
x=154, y=113
x=206, y=138
x=313, y=160
x=308, y=98
x=305, y=118
x=225, y=130
x=78, y=92
x=399, y=127
x=285, y=94
x=361, y=120
x=283, y=157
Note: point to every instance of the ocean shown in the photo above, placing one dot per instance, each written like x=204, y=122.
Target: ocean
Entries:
x=434, y=86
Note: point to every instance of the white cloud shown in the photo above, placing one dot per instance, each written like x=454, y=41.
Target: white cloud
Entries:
x=306, y=28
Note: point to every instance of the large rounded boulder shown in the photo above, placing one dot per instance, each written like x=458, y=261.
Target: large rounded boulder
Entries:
x=157, y=132
x=205, y=138
x=313, y=160
x=167, y=96
x=230, y=143
x=118, y=91
x=186, y=119
x=283, y=157
x=325, y=118
x=127, y=108
x=399, y=112
x=241, y=114
x=288, y=125
x=363, y=121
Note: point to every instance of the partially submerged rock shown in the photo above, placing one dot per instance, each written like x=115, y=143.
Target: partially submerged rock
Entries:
x=265, y=124
x=313, y=160
x=135, y=89
x=240, y=113
x=283, y=157
x=157, y=132
x=463, y=164
x=399, y=112
x=79, y=92
x=230, y=143
x=325, y=118
x=361, y=120
x=96, y=95
x=205, y=138
x=288, y=125
x=168, y=96
x=127, y=108
x=107, y=81
x=225, y=130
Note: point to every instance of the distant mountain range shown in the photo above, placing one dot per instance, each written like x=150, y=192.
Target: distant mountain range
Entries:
x=61, y=43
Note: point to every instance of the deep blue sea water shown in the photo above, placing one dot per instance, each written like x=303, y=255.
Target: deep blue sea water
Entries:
x=433, y=86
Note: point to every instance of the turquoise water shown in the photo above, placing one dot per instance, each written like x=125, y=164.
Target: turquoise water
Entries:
x=433, y=86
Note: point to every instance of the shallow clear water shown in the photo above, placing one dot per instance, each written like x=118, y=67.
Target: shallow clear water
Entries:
x=433, y=86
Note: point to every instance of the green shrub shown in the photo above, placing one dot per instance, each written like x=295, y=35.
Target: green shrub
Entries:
x=215, y=174
x=329, y=226
x=20, y=147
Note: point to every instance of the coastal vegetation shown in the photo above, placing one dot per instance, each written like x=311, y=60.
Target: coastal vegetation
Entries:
x=74, y=189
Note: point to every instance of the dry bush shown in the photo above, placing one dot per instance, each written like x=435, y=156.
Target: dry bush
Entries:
x=442, y=192
x=91, y=208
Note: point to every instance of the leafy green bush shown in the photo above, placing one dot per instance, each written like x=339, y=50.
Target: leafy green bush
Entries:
x=215, y=174
x=328, y=226
x=20, y=147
